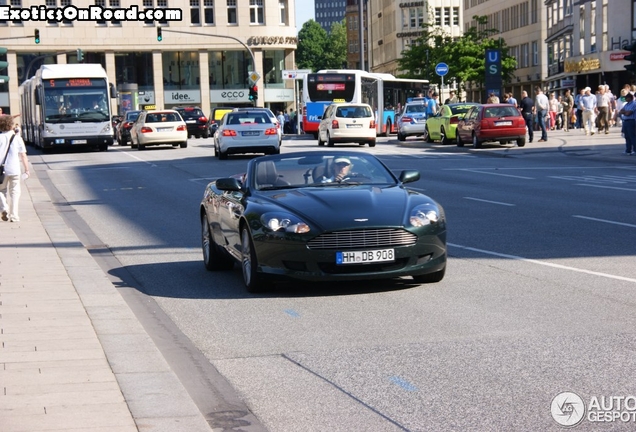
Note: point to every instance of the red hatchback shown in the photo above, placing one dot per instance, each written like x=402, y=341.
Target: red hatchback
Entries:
x=491, y=122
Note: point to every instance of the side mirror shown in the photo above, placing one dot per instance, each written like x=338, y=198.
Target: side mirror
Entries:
x=409, y=176
x=228, y=184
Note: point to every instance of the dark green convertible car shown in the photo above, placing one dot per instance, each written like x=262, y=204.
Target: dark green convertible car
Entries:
x=322, y=216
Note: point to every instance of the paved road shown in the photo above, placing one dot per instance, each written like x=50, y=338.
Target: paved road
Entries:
x=537, y=299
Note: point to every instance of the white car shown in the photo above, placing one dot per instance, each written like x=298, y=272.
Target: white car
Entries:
x=347, y=122
x=412, y=121
x=160, y=127
x=269, y=113
x=246, y=131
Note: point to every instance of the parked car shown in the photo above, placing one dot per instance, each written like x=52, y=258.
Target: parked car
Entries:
x=412, y=121
x=443, y=126
x=491, y=122
x=215, y=117
x=159, y=127
x=246, y=131
x=195, y=120
x=277, y=221
x=122, y=133
x=347, y=122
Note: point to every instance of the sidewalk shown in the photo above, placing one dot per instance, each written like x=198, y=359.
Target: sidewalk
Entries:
x=73, y=357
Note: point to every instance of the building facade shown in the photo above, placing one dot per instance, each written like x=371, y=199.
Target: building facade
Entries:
x=354, y=28
x=329, y=12
x=585, y=42
x=208, y=51
x=394, y=26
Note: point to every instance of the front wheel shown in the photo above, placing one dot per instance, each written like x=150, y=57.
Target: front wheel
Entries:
x=213, y=257
x=444, y=138
x=458, y=140
x=249, y=264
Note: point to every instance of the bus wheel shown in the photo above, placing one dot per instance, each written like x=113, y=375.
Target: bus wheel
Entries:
x=387, y=132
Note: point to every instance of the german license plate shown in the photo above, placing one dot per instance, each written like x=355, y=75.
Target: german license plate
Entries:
x=503, y=123
x=361, y=257
x=164, y=129
x=357, y=125
x=191, y=121
x=250, y=133
x=78, y=142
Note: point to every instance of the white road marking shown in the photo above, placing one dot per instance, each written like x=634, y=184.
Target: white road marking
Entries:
x=544, y=263
x=605, y=187
x=491, y=202
x=604, y=220
x=139, y=159
x=478, y=171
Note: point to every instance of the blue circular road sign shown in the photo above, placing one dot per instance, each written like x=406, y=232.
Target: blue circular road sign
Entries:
x=441, y=69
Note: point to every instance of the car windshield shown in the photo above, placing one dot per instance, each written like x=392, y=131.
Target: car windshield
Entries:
x=492, y=112
x=248, y=118
x=415, y=109
x=460, y=109
x=320, y=170
x=162, y=117
x=190, y=113
x=353, y=112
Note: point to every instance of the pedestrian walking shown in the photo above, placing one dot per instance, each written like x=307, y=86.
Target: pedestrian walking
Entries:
x=579, y=111
x=588, y=107
x=602, y=109
x=541, y=106
x=527, y=111
x=568, y=105
x=13, y=152
x=620, y=103
x=628, y=115
x=553, y=111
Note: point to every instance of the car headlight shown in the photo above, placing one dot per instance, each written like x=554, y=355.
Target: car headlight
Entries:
x=280, y=222
x=423, y=215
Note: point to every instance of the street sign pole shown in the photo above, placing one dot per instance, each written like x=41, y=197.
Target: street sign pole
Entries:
x=441, y=69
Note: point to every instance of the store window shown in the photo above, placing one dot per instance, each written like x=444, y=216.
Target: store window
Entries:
x=229, y=69
x=135, y=68
x=273, y=66
x=181, y=70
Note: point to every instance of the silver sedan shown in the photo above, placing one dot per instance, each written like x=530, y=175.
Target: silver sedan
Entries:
x=246, y=132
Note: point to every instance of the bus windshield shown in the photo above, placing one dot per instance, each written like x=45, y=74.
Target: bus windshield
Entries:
x=76, y=100
x=331, y=87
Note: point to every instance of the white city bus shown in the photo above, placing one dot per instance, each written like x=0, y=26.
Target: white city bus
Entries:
x=383, y=92
x=65, y=105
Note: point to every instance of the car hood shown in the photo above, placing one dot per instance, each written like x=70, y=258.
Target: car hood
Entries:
x=345, y=207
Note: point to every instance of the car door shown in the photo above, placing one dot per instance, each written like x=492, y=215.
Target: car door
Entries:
x=231, y=209
x=134, y=130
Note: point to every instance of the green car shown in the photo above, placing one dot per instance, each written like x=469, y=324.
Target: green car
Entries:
x=443, y=126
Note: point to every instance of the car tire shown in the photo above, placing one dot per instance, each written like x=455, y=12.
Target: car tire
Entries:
x=521, y=142
x=183, y=144
x=330, y=142
x=458, y=140
x=249, y=264
x=320, y=142
x=372, y=143
x=427, y=135
x=401, y=137
x=222, y=155
x=430, y=277
x=476, y=142
x=141, y=147
x=443, y=138
x=214, y=258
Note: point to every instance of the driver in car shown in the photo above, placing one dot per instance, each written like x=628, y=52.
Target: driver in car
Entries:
x=341, y=168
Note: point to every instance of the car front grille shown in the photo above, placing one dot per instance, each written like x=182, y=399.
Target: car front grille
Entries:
x=356, y=239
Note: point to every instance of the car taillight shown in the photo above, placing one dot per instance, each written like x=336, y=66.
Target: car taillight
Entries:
x=203, y=119
x=271, y=131
x=228, y=132
x=407, y=120
x=127, y=125
x=334, y=124
x=372, y=124
x=145, y=129
x=181, y=127
x=454, y=120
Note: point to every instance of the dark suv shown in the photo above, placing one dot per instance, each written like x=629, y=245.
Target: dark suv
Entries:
x=195, y=121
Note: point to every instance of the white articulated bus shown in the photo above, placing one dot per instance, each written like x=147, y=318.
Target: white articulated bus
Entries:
x=66, y=105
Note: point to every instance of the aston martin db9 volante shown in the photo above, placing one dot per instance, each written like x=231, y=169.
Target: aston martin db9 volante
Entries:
x=327, y=216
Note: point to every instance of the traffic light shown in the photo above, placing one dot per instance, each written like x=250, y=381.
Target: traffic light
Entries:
x=37, y=36
x=159, y=35
x=631, y=58
x=80, y=55
x=254, y=93
x=4, y=65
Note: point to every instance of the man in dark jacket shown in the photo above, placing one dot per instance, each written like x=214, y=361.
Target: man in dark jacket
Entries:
x=527, y=111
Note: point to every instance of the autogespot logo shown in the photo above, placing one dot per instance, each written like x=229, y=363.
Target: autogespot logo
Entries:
x=568, y=409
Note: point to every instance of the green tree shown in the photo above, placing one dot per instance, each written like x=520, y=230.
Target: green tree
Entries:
x=336, y=48
x=465, y=55
x=318, y=50
x=310, y=52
